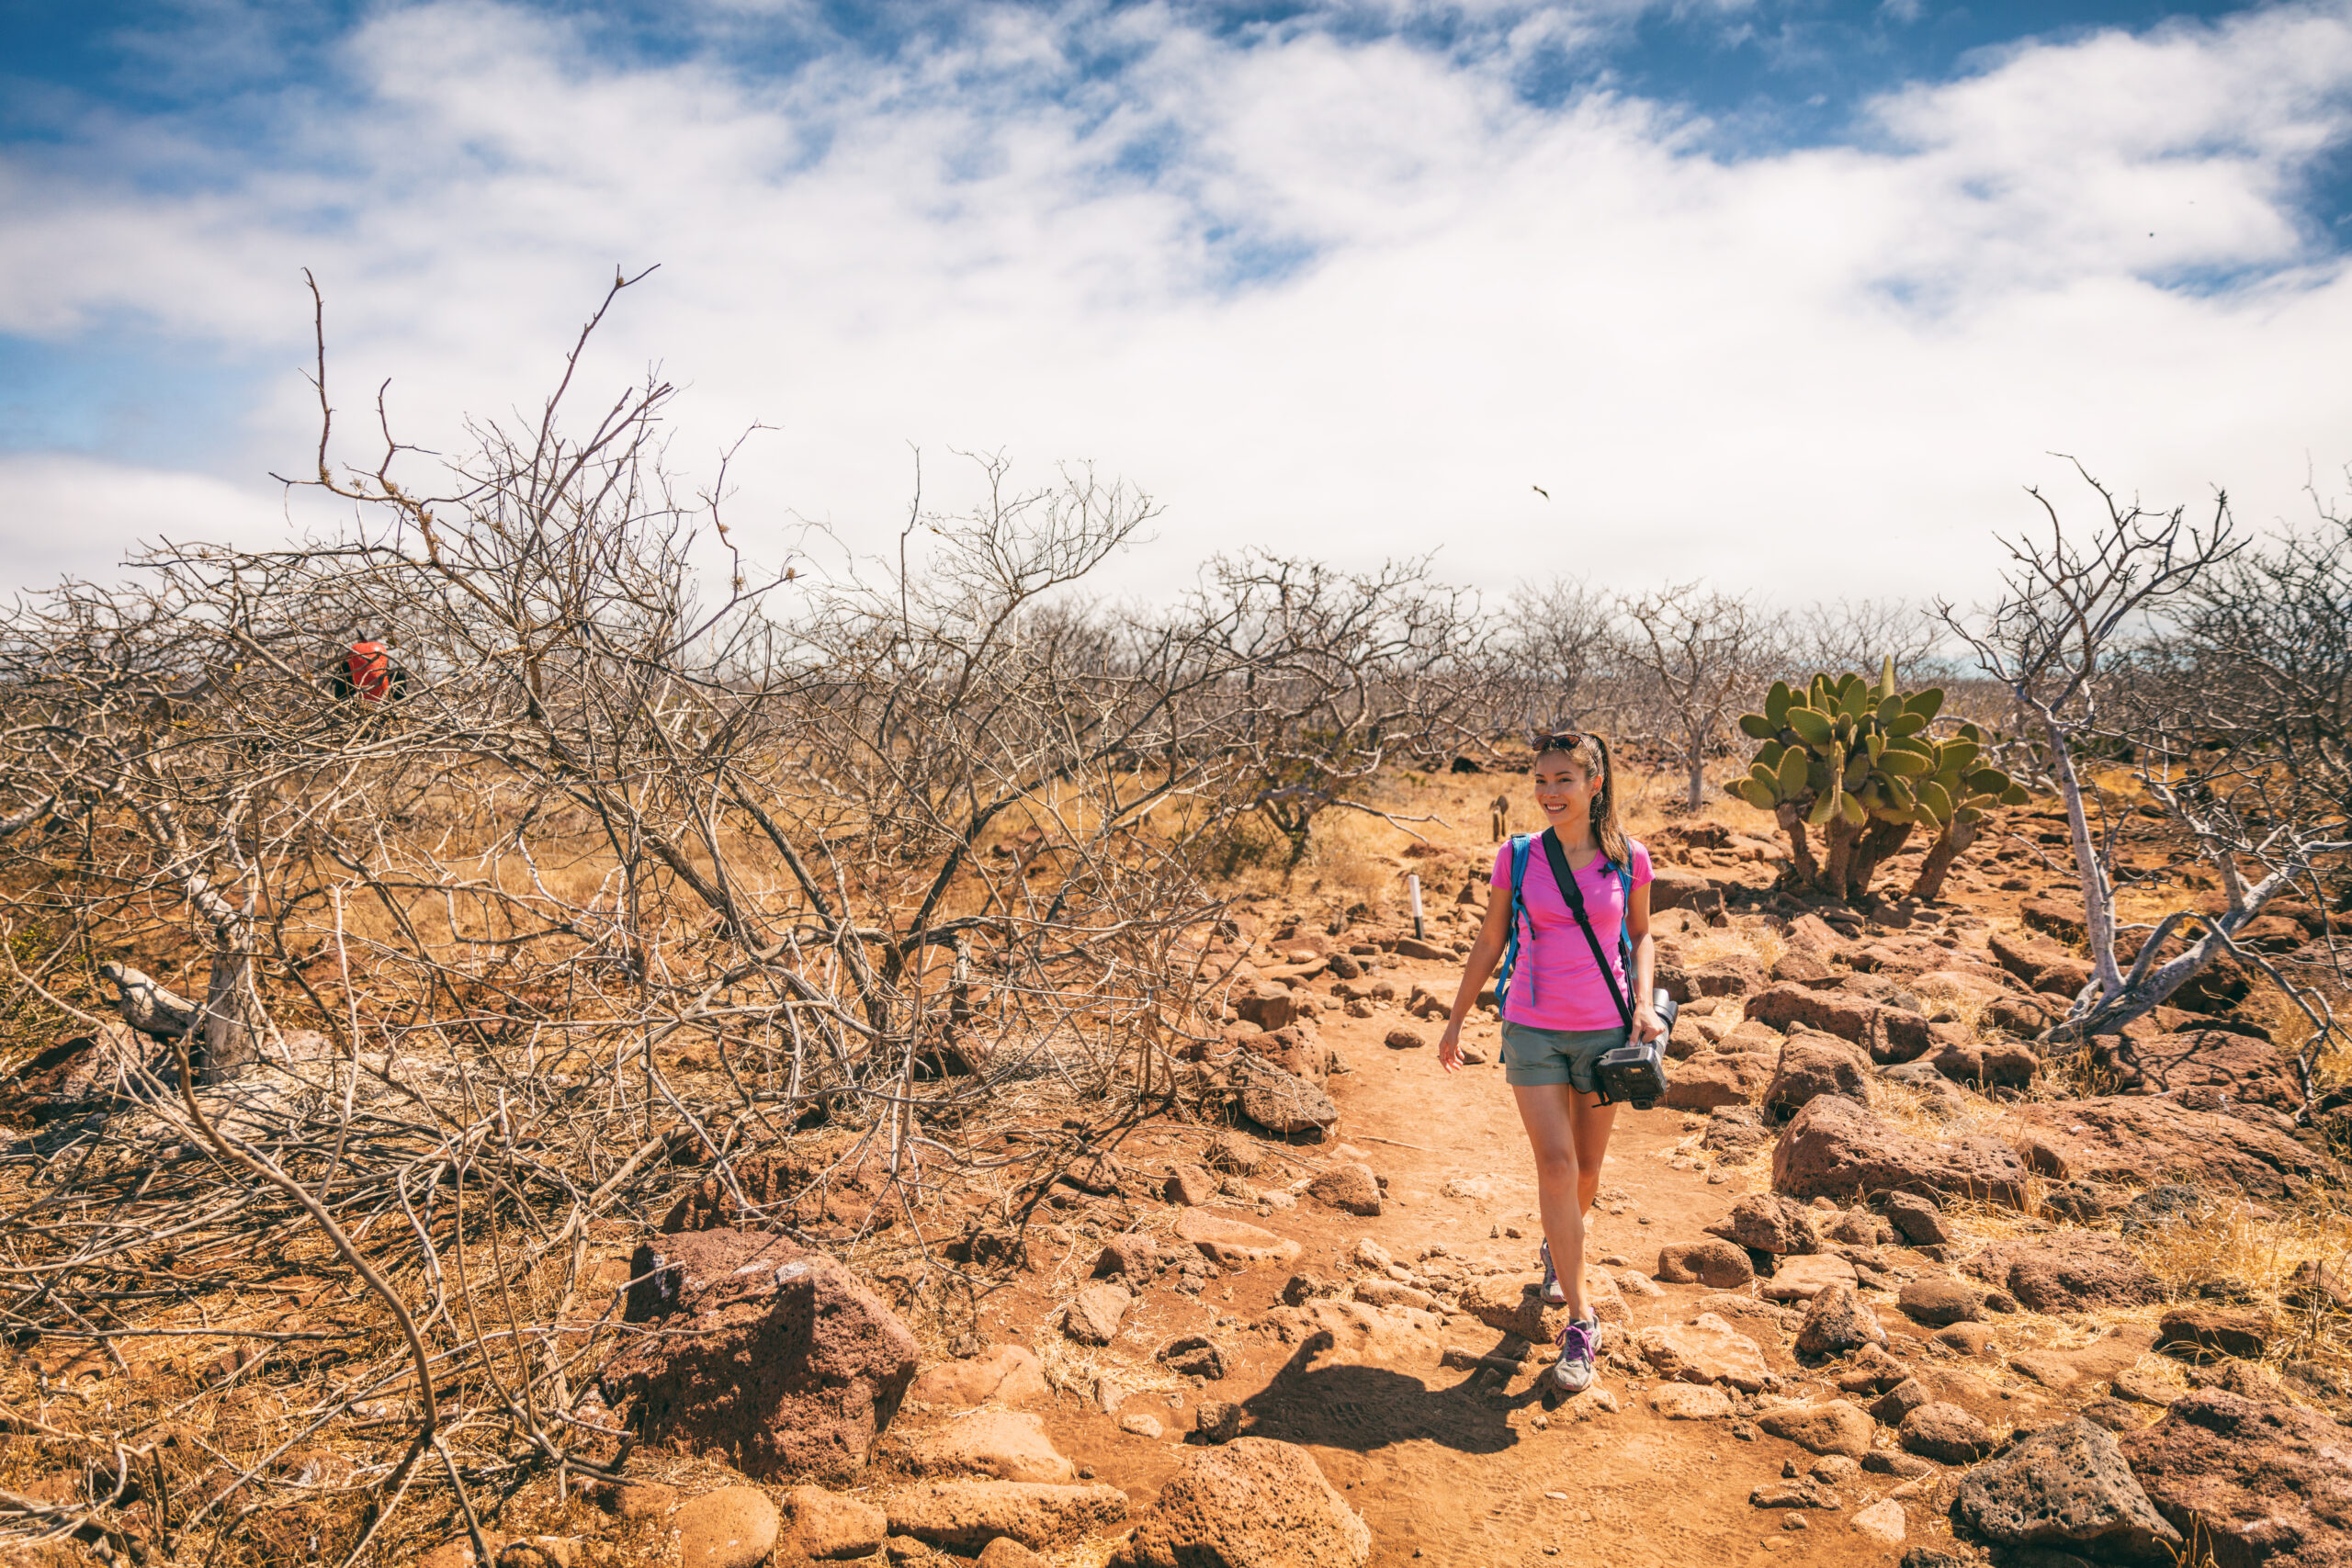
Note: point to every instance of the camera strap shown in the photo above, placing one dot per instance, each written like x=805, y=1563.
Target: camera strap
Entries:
x=1574, y=895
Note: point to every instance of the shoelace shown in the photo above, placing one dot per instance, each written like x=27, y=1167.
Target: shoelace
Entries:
x=1575, y=1343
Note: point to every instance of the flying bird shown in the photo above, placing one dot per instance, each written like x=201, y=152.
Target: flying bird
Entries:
x=1540, y=491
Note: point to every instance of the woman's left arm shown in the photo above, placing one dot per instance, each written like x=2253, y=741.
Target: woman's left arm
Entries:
x=1647, y=1023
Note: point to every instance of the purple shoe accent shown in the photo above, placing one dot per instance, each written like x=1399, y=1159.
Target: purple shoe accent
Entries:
x=1578, y=1343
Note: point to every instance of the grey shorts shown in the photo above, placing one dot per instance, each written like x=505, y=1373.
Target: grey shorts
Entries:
x=1532, y=1055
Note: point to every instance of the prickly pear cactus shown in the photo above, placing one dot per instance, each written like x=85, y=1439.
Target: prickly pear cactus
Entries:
x=1855, y=762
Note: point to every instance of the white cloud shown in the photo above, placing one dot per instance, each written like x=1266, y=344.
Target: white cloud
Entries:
x=1817, y=371
x=62, y=515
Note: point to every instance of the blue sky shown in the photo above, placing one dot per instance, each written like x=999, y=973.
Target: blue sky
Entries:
x=1349, y=279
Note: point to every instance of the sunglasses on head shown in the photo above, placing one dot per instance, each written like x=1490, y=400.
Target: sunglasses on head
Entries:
x=1567, y=740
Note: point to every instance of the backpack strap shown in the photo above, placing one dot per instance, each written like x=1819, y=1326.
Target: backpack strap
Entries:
x=1574, y=895
x=1625, y=898
x=1521, y=844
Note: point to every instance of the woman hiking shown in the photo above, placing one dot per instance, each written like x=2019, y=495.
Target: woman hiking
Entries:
x=1559, y=1015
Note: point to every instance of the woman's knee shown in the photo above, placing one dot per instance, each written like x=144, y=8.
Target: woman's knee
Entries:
x=1555, y=1167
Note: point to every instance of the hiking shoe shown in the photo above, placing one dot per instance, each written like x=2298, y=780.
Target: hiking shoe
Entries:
x=1553, y=1294
x=1578, y=1342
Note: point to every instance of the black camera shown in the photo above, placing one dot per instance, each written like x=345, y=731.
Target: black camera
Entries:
x=1635, y=1071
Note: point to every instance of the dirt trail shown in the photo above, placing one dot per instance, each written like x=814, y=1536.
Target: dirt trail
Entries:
x=1452, y=1467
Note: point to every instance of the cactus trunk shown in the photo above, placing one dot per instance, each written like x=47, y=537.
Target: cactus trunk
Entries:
x=1791, y=819
x=1879, y=841
x=1945, y=852
x=1841, y=836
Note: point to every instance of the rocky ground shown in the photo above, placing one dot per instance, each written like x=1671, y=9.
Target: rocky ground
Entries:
x=1879, y=1284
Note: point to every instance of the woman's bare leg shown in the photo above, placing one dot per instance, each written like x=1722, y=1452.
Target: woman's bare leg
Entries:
x=1568, y=1132
x=1590, y=1122
x=1548, y=1112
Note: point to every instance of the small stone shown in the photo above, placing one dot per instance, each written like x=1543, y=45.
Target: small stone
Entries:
x=1194, y=1356
x=1128, y=1255
x=1765, y=1221
x=1717, y=1264
x=1350, y=1187
x=1234, y=1155
x=735, y=1527
x=639, y=1500
x=2143, y=1387
x=1217, y=1421
x=1940, y=1301
x=1011, y=1445
x=1872, y=1371
x=1706, y=1350
x=1945, y=1433
x=965, y=1515
x=1402, y=1039
x=1141, y=1425
x=1094, y=1315
x=1189, y=1185
x=829, y=1527
x=1099, y=1173
x=1921, y=1223
x=1232, y=1242
x=1832, y=1426
x=1896, y=1462
x=2202, y=1333
x=1802, y=1279
x=1301, y=1289
x=1968, y=1339
x=1006, y=1552
x=1882, y=1521
x=1837, y=1323
x=1899, y=1401
x=1691, y=1402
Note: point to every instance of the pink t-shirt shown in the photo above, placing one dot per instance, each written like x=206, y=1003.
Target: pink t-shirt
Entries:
x=1554, y=984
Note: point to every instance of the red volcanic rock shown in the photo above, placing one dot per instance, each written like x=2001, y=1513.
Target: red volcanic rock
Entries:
x=2254, y=1482
x=2137, y=1140
x=1837, y=1148
x=2067, y=1272
x=774, y=1358
x=2242, y=1067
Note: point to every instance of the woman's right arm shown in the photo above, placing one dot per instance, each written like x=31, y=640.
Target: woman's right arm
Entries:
x=1484, y=953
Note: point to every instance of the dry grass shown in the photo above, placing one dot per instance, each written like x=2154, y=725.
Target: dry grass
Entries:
x=1751, y=940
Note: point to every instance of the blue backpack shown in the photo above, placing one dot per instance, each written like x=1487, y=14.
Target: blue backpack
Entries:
x=1521, y=846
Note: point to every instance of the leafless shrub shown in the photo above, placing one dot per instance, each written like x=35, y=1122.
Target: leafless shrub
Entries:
x=1832, y=636
x=1331, y=676
x=2154, y=644
x=1557, y=649
x=1702, y=654
x=628, y=875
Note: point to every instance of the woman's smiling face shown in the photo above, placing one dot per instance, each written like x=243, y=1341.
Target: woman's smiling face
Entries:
x=1563, y=790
